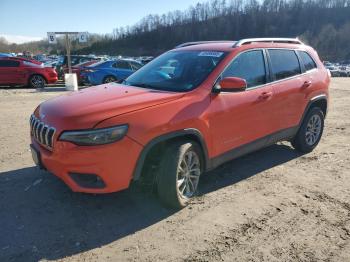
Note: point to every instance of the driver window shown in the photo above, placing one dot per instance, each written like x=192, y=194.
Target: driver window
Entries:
x=249, y=66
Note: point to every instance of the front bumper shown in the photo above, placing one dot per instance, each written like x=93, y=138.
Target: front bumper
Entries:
x=113, y=163
x=52, y=80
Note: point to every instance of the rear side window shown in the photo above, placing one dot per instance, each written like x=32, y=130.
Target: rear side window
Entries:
x=249, y=66
x=135, y=66
x=284, y=63
x=306, y=59
x=122, y=65
x=9, y=63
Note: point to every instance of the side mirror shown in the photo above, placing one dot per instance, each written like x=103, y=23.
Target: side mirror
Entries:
x=230, y=84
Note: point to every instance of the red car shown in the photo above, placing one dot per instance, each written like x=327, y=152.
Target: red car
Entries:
x=79, y=67
x=188, y=111
x=21, y=71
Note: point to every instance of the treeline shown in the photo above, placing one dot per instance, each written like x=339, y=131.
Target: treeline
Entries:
x=324, y=24
x=39, y=47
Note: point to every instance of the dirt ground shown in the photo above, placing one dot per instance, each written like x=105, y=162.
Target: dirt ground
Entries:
x=272, y=205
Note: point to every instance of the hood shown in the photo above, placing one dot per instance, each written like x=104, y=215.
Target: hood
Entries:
x=87, y=107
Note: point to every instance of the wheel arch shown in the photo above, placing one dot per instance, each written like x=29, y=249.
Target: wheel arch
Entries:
x=317, y=101
x=160, y=142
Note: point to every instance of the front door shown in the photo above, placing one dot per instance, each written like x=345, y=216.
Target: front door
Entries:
x=241, y=118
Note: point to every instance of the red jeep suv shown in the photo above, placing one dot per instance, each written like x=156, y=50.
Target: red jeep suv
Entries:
x=21, y=71
x=186, y=112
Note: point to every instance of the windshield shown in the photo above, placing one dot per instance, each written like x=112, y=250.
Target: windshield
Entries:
x=176, y=71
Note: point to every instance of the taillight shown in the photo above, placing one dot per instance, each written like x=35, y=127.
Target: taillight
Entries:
x=88, y=71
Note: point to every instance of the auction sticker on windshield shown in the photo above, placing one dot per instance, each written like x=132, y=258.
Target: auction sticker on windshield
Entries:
x=211, y=53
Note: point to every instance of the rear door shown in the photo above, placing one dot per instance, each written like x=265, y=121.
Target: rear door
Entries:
x=287, y=87
x=240, y=118
x=122, y=69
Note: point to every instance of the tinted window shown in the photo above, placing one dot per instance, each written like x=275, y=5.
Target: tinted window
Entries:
x=284, y=63
x=249, y=66
x=308, y=62
x=135, y=66
x=122, y=65
x=9, y=63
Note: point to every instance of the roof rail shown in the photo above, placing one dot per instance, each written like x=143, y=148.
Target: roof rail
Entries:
x=272, y=40
x=202, y=42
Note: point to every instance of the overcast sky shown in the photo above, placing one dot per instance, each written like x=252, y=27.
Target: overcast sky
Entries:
x=25, y=20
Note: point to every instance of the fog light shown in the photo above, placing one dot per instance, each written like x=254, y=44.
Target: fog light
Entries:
x=87, y=180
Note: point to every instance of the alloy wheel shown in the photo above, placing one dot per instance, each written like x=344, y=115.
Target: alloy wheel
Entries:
x=188, y=174
x=37, y=81
x=313, y=130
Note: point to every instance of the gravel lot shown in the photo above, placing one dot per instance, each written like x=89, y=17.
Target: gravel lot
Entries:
x=272, y=205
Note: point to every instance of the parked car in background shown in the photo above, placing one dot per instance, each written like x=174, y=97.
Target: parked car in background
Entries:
x=75, y=59
x=21, y=71
x=5, y=55
x=77, y=68
x=41, y=58
x=333, y=70
x=145, y=59
x=52, y=64
x=338, y=69
x=109, y=71
x=344, y=71
x=188, y=111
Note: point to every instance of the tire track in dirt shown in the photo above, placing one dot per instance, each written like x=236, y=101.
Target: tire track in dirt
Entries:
x=286, y=225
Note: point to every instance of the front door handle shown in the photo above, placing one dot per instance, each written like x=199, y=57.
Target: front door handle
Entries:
x=265, y=95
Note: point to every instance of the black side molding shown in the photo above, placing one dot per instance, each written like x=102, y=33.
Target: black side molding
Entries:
x=313, y=100
x=260, y=143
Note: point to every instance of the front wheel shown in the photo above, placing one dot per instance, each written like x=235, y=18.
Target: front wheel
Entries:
x=179, y=173
x=310, y=132
x=37, y=81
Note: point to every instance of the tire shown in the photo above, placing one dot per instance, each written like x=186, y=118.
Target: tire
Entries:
x=310, y=131
x=37, y=81
x=173, y=170
x=109, y=79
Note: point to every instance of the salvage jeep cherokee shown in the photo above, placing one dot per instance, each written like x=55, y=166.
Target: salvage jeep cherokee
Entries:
x=186, y=112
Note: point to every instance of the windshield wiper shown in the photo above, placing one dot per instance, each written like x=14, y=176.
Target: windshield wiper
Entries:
x=143, y=85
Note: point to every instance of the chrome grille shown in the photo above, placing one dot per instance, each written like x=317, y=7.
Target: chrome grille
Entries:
x=42, y=133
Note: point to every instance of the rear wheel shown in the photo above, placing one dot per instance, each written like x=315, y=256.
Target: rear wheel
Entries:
x=310, y=132
x=179, y=173
x=109, y=79
x=37, y=81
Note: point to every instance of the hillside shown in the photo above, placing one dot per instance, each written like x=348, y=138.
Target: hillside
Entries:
x=325, y=24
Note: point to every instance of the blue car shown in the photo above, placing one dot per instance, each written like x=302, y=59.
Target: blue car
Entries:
x=109, y=71
x=5, y=55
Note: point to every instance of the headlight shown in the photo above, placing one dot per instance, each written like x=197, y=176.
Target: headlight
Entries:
x=95, y=136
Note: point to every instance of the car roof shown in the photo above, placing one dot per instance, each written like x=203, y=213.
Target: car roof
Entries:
x=20, y=59
x=228, y=46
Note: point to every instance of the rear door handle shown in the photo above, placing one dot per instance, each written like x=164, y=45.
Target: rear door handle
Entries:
x=306, y=84
x=265, y=95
